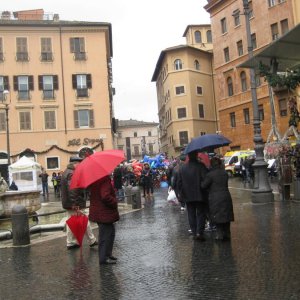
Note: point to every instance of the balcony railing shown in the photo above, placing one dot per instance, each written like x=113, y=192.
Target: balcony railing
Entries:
x=48, y=95
x=82, y=93
x=23, y=95
x=80, y=56
x=46, y=56
x=22, y=56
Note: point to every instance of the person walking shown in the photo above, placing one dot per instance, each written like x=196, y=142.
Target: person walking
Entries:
x=44, y=177
x=191, y=174
x=219, y=199
x=104, y=211
x=74, y=200
x=118, y=182
x=147, y=179
x=54, y=182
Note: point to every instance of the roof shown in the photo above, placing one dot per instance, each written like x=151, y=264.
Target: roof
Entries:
x=286, y=51
x=164, y=52
x=191, y=26
x=135, y=123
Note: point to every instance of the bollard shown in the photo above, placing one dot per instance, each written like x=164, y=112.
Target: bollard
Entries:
x=128, y=194
x=136, y=199
x=20, y=226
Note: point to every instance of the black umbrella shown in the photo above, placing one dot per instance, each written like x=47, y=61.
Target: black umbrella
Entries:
x=207, y=142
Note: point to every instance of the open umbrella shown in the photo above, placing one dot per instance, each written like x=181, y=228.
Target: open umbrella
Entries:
x=78, y=224
x=95, y=167
x=207, y=142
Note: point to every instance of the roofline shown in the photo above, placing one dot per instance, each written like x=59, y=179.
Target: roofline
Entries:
x=199, y=25
x=212, y=4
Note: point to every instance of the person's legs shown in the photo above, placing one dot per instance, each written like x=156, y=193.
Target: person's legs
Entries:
x=111, y=241
x=106, y=238
x=191, y=212
x=90, y=235
x=201, y=208
x=227, y=233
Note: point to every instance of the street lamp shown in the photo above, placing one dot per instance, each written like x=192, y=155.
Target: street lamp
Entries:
x=6, y=107
x=262, y=192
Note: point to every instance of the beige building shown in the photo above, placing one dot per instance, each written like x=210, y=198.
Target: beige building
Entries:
x=185, y=90
x=137, y=138
x=56, y=77
x=269, y=19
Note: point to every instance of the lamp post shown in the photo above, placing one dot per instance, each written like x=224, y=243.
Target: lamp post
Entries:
x=6, y=107
x=262, y=192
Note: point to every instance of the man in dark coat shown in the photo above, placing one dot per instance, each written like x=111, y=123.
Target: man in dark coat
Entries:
x=191, y=174
x=118, y=182
x=73, y=200
x=220, y=202
x=104, y=211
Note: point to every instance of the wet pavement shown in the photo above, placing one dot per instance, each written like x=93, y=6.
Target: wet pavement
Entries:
x=158, y=259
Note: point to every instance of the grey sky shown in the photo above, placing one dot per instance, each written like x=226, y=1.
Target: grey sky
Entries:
x=141, y=30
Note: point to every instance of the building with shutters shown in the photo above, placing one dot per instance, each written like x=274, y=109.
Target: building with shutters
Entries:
x=56, y=77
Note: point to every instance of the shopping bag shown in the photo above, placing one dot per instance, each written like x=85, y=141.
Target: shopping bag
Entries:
x=172, y=197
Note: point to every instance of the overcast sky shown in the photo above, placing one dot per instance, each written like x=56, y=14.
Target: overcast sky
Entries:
x=141, y=29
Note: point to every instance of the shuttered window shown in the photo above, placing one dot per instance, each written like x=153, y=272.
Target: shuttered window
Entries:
x=25, y=120
x=50, y=119
x=22, y=45
x=77, y=45
x=83, y=118
x=46, y=45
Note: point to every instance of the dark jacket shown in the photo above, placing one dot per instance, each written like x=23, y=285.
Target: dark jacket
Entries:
x=74, y=197
x=118, y=178
x=189, y=181
x=103, y=202
x=220, y=202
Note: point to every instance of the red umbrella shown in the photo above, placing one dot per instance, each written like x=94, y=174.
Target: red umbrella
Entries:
x=95, y=167
x=77, y=224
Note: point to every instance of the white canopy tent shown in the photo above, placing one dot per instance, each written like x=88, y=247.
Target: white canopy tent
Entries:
x=25, y=173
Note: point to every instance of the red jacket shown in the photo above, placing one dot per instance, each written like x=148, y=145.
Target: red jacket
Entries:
x=103, y=202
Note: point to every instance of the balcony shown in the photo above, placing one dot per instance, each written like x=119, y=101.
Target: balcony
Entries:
x=80, y=56
x=82, y=93
x=46, y=56
x=22, y=56
x=180, y=143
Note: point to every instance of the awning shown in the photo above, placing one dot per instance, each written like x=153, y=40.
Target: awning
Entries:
x=286, y=51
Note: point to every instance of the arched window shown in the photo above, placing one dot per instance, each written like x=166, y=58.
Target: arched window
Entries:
x=230, y=86
x=208, y=36
x=196, y=65
x=177, y=64
x=198, y=38
x=243, y=81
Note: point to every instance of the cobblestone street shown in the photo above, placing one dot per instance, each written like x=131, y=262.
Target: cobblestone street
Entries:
x=158, y=259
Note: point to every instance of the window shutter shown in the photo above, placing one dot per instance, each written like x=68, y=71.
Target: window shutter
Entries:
x=91, y=118
x=89, y=81
x=55, y=82
x=72, y=45
x=81, y=44
x=16, y=83
x=76, y=122
x=40, y=82
x=30, y=81
x=6, y=83
x=74, y=81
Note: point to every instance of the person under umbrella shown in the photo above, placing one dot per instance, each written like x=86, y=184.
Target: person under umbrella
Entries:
x=74, y=200
x=104, y=212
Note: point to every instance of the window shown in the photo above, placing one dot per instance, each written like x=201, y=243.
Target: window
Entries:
x=149, y=133
x=201, y=110
x=282, y=107
x=78, y=48
x=22, y=51
x=274, y=31
x=136, y=150
x=135, y=134
x=23, y=84
x=261, y=114
x=2, y=121
x=50, y=119
x=226, y=54
x=181, y=112
x=84, y=118
x=183, y=138
x=46, y=49
x=246, y=116
x=177, y=64
x=243, y=81
x=4, y=85
x=199, y=90
x=82, y=82
x=209, y=36
x=239, y=45
x=232, y=119
x=271, y=3
x=52, y=163
x=119, y=134
x=223, y=25
x=179, y=90
x=150, y=146
x=196, y=65
x=198, y=38
x=250, y=10
x=230, y=86
x=236, y=17
x=253, y=40
x=25, y=120
x=1, y=50
x=284, y=24
x=120, y=147
x=47, y=84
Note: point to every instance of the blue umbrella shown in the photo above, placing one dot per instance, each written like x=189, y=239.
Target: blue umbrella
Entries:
x=207, y=142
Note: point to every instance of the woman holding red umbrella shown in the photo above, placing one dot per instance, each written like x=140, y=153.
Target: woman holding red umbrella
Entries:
x=104, y=212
